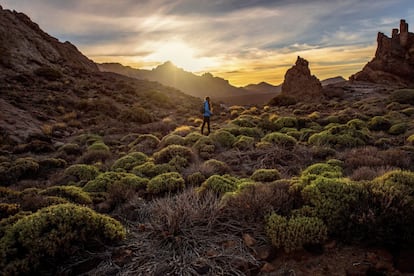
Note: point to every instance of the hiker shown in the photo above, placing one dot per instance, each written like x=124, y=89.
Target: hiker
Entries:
x=206, y=115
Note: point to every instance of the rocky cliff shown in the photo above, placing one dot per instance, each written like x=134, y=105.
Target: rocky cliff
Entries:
x=300, y=84
x=24, y=47
x=394, y=59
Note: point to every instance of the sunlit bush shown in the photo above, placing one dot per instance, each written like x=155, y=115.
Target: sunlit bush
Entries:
x=72, y=193
x=104, y=181
x=280, y=139
x=265, y=175
x=166, y=182
x=81, y=172
x=219, y=184
x=244, y=142
x=379, y=123
x=292, y=234
x=53, y=232
x=129, y=161
x=145, y=143
x=149, y=169
x=223, y=138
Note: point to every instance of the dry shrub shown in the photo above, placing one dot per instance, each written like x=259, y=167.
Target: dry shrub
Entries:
x=253, y=202
x=180, y=230
x=363, y=157
x=369, y=173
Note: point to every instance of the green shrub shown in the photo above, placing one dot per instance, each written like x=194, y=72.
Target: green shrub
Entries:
x=52, y=163
x=172, y=139
x=320, y=169
x=408, y=111
x=170, y=152
x=82, y=172
x=136, y=114
x=281, y=122
x=292, y=234
x=98, y=146
x=254, y=132
x=150, y=169
x=72, y=193
x=51, y=232
x=71, y=149
x=340, y=136
x=378, y=123
x=403, y=96
x=213, y=166
x=104, y=181
x=223, y=138
x=398, y=129
x=195, y=179
x=280, y=139
x=246, y=121
x=166, y=182
x=219, y=184
x=146, y=143
x=205, y=147
x=88, y=139
x=192, y=138
x=244, y=143
x=21, y=168
x=333, y=200
x=410, y=139
x=8, y=209
x=129, y=161
x=357, y=124
x=265, y=175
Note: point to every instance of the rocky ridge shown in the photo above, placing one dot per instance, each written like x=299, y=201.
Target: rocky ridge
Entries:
x=394, y=59
x=24, y=47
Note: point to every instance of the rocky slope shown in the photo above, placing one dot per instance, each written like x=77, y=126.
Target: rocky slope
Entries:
x=24, y=47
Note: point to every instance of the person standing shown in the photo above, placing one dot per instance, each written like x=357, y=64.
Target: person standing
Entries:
x=206, y=115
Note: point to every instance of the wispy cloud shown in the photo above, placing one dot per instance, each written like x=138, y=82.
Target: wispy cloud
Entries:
x=256, y=40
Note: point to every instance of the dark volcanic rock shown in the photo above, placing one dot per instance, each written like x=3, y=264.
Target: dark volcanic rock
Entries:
x=300, y=84
x=394, y=59
x=24, y=47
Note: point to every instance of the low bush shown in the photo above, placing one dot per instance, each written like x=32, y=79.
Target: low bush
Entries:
x=280, y=139
x=71, y=149
x=398, y=129
x=195, y=179
x=205, y=147
x=174, y=154
x=403, y=96
x=223, y=138
x=166, y=182
x=172, y=139
x=320, y=169
x=104, y=181
x=292, y=234
x=213, y=166
x=282, y=100
x=136, y=114
x=149, y=169
x=378, y=123
x=246, y=121
x=98, y=146
x=265, y=175
x=72, y=193
x=282, y=122
x=244, y=143
x=129, y=161
x=340, y=136
x=81, y=172
x=254, y=132
x=8, y=209
x=53, y=233
x=219, y=184
x=145, y=143
x=22, y=168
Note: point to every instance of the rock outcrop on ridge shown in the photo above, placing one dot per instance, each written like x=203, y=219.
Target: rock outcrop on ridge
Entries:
x=394, y=59
x=300, y=84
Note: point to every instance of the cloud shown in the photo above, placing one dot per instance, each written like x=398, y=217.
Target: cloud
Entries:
x=233, y=35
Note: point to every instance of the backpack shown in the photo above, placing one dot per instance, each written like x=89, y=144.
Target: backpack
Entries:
x=202, y=109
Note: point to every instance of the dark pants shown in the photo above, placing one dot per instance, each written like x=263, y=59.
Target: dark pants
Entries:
x=206, y=120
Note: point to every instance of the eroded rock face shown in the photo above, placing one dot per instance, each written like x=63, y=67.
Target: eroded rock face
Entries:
x=24, y=47
x=300, y=84
x=394, y=59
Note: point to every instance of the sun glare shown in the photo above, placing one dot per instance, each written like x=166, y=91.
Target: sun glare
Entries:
x=181, y=55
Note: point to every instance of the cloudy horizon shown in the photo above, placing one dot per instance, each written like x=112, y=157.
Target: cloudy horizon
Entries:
x=244, y=41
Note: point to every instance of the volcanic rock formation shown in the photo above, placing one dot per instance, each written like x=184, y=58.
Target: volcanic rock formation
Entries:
x=24, y=47
x=394, y=59
x=300, y=84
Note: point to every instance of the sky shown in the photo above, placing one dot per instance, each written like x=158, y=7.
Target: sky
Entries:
x=243, y=41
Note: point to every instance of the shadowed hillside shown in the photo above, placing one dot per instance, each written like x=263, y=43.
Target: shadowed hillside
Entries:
x=103, y=174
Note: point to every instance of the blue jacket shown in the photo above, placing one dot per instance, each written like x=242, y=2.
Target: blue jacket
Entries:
x=207, y=111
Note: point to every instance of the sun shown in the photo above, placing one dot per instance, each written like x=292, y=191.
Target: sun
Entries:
x=181, y=55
